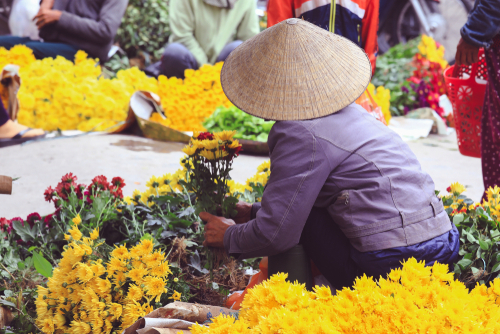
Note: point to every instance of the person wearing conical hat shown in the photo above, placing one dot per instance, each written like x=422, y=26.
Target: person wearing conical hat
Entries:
x=342, y=184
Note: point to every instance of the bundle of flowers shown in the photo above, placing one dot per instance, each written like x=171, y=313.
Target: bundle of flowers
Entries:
x=188, y=102
x=87, y=294
x=169, y=183
x=414, y=299
x=414, y=75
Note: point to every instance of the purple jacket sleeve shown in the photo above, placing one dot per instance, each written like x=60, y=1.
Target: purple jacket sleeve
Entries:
x=483, y=23
x=299, y=168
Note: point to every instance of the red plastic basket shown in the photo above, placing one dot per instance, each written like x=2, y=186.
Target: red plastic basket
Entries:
x=466, y=93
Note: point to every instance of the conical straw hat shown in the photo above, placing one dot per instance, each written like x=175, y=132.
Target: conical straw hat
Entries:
x=293, y=71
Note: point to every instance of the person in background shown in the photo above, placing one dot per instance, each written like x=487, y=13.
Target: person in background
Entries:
x=205, y=32
x=482, y=29
x=13, y=133
x=356, y=20
x=68, y=26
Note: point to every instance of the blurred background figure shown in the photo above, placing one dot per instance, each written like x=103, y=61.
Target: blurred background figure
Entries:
x=205, y=32
x=356, y=20
x=68, y=26
x=482, y=29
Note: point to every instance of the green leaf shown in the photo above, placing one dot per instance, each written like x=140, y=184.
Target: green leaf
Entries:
x=457, y=219
x=6, y=303
x=494, y=233
x=464, y=263
x=474, y=270
x=496, y=268
x=21, y=265
x=146, y=236
x=43, y=266
x=484, y=245
x=24, y=232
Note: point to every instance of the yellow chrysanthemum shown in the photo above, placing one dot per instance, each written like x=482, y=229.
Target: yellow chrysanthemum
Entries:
x=457, y=188
x=77, y=220
x=225, y=135
x=176, y=295
x=94, y=234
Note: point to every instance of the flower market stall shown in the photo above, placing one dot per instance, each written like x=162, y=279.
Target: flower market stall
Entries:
x=102, y=261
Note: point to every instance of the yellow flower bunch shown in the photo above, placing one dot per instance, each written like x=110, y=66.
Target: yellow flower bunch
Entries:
x=59, y=94
x=429, y=49
x=188, y=102
x=87, y=295
x=414, y=299
x=381, y=96
x=169, y=183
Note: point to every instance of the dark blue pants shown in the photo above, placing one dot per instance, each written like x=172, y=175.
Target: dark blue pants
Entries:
x=177, y=58
x=41, y=49
x=340, y=263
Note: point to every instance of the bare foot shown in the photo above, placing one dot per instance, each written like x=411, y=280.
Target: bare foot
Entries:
x=10, y=129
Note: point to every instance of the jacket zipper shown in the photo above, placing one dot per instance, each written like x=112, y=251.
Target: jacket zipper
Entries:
x=345, y=196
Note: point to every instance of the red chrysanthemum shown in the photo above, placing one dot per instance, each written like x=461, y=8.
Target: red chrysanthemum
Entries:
x=49, y=194
x=118, y=182
x=205, y=135
x=32, y=218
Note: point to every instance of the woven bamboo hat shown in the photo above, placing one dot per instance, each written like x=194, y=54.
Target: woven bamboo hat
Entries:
x=294, y=71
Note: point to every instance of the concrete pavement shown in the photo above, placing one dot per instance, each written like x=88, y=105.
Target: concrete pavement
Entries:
x=135, y=159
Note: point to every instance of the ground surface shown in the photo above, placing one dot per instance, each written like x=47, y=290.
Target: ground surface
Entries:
x=135, y=159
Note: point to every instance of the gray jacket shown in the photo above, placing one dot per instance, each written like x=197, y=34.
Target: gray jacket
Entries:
x=353, y=165
x=90, y=25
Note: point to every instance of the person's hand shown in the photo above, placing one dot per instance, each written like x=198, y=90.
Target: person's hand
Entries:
x=215, y=229
x=47, y=4
x=244, y=212
x=46, y=16
x=466, y=53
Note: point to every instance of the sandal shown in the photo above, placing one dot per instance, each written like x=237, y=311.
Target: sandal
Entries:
x=19, y=139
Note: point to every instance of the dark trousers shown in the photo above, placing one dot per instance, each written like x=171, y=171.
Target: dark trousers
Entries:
x=332, y=253
x=41, y=49
x=177, y=58
x=4, y=116
x=330, y=250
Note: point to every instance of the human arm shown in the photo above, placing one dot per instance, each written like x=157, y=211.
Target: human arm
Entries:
x=483, y=23
x=47, y=4
x=249, y=25
x=299, y=168
x=279, y=10
x=100, y=31
x=369, y=30
x=182, y=22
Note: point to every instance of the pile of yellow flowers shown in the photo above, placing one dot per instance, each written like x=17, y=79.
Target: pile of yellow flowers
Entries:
x=168, y=183
x=188, y=102
x=492, y=201
x=428, y=48
x=381, y=96
x=414, y=299
x=87, y=295
x=59, y=94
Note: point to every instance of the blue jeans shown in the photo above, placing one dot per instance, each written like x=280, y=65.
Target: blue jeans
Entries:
x=177, y=58
x=340, y=263
x=41, y=49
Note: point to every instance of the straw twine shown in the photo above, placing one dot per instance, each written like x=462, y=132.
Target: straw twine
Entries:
x=295, y=70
